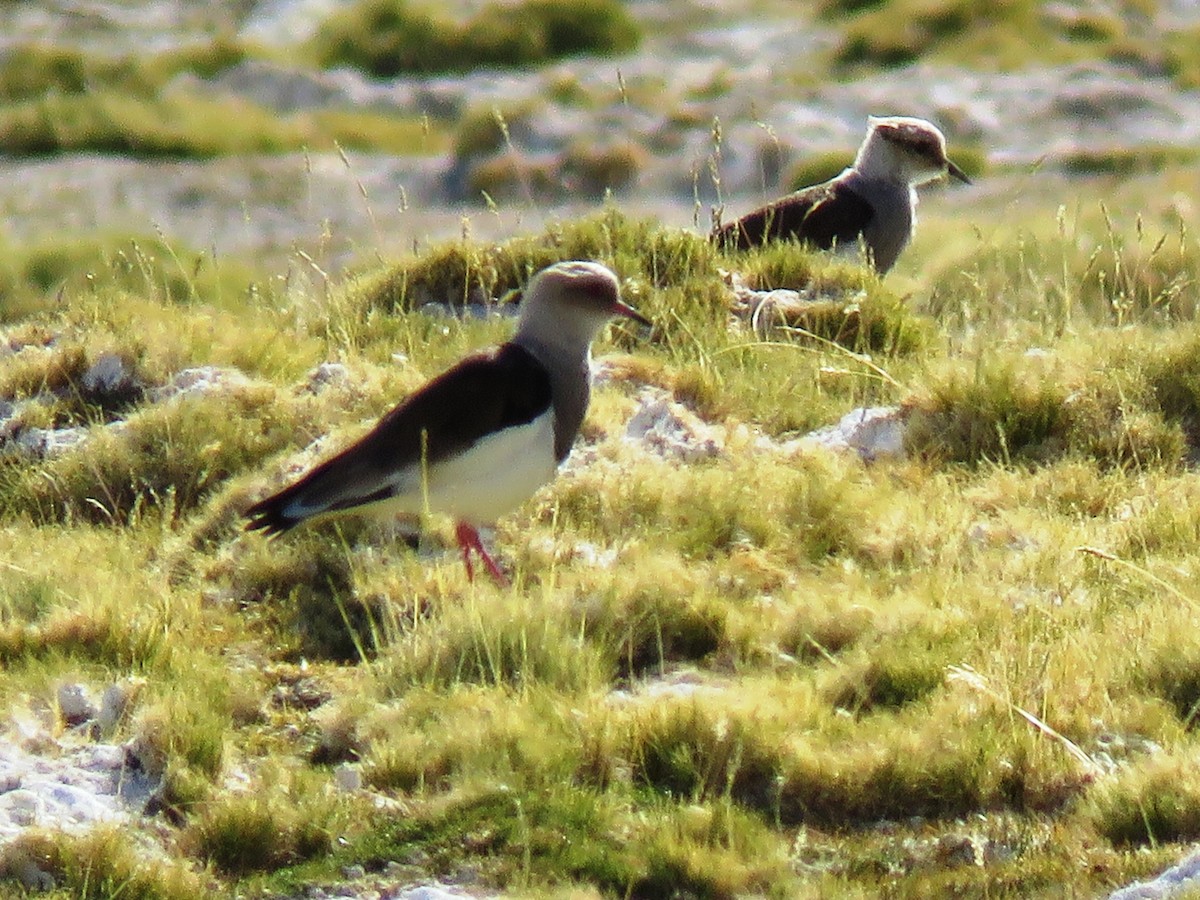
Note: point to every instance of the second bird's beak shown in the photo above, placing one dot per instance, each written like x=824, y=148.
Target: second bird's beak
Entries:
x=956, y=172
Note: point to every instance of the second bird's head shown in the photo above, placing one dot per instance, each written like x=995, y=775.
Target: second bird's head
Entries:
x=908, y=149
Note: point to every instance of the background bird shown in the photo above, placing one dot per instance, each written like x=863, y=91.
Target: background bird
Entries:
x=479, y=439
x=875, y=200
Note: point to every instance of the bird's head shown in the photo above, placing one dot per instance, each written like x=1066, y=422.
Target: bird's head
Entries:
x=569, y=302
x=906, y=149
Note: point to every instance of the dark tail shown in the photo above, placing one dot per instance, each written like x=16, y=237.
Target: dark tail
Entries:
x=326, y=489
x=270, y=515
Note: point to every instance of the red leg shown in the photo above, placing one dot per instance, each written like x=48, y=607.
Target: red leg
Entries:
x=468, y=539
x=465, y=533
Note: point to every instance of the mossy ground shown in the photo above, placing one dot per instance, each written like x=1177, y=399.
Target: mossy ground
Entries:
x=767, y=673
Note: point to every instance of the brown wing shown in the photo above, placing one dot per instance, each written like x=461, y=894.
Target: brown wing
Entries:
x=821, y=216
x=481, y=395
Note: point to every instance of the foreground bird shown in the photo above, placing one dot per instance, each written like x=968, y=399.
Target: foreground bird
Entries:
x=479, y=439
x=874, y=200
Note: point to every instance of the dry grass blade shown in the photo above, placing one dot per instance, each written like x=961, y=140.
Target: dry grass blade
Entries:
x=965, y=674
x=1140, y=570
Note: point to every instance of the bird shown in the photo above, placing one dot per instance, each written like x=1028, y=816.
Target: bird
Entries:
x=875, y=200
x=479, y=439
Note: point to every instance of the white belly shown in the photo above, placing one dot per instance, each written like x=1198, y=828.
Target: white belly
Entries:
x=490, y=480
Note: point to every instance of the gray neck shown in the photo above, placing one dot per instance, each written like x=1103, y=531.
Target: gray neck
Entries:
x=894, y=204
x=570, y=371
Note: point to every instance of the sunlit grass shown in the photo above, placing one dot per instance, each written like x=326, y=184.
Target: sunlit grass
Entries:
x=389, y=37
x=1009, y=36
x=61, y=100
x=768, y=670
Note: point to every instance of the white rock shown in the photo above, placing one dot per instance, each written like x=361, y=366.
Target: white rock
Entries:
x=107, y=375
x=434, y=891
x=872, y=432
x=1185, y=876
x=327, y=374
x=74, y=704
x=47, y=443
x=347, y=778
x=114, y=703
x=200, y=380
x=671, y=430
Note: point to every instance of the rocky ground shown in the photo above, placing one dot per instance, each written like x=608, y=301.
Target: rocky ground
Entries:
x=748, y=74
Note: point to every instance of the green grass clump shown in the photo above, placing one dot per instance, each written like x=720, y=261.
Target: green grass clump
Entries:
x=32, y=70
x=1174, y=378
x=304, y=589
x=484, y=131
x=1010, y=35
x=181, y=125
x=648, y=628
x=167, y=459
x=393, y=37
x=1126, y=162
x=464, y=271
x=1156, y=802
x=550, y=839
x=433, y=739
x=1035, y=414
x=890, y=682
x=513, y=177
x=33, y=276
x=37, y=623
x=1175, y=676
x=504, y=644
x=100, y=864
x=55, y=99
x=598, y=170
x=263, y=830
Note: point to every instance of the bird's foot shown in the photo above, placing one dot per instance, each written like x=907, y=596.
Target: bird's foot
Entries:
x=468, y=540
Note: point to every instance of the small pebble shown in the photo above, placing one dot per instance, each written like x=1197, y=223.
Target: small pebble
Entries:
x=347, y=778
x=74, y=705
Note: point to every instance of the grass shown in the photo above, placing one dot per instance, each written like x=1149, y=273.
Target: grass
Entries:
x=390, y=37
x=60, y=100
x=1000, y=37
x=771, y=670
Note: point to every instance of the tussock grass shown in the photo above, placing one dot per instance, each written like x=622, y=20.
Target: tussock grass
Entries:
x=433, y=738
x=34, y=69
x=271, y=827
x=57, y=376
x=391, y=37
x=1151, y=804
x=898, y=32
x=646, y=626
x=183, y=125
x=34, y=277
x=457, y=272
x=55, y=99
x=53, y=610
x=497, y=641
x=103, y=863
x=305, y=590
x=1173, y=672
x=518, y=838
x=1043, y=409
x=166, y=460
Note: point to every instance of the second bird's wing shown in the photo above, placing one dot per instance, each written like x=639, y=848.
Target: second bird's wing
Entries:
x=822, y=215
